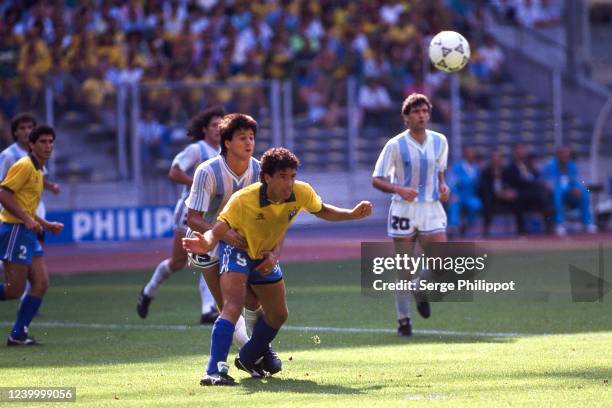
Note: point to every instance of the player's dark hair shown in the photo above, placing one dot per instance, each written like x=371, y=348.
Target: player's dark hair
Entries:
x=38, y=131
x=195, y=129
x=277, y=159
x=413, y=100
x=232, y=123
x=19, y=118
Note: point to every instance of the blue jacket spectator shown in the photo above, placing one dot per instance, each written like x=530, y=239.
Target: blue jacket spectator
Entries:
x=561, y=176
x=464, y=178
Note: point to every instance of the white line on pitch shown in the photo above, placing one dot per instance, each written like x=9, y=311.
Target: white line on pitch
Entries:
x=111, y=326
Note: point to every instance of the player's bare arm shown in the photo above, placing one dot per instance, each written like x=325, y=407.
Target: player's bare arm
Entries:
x=179, y=176
x=9, y=202
x=51, y=186
x=384, y=185
x=196, y=221
x=444, y=188
x=331, y=213
x=53, y=227
x=202, y=243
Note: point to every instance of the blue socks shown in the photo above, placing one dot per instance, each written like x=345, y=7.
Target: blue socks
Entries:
x=2, y=296
x=262, y=336
x=220, y=343
x=26, y=313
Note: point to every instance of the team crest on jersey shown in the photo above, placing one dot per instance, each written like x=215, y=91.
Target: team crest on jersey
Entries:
x=260, y=217
x=292, y=213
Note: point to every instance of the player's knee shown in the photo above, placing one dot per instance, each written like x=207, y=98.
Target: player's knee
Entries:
x=278, y=317
x=176, y=265
x=39, y=288
x=13, y=290
x=231, y=311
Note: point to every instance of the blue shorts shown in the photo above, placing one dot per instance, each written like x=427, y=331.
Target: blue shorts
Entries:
x=236, y=260
x=17, y=244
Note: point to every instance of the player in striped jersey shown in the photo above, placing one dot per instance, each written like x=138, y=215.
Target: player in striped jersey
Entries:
x=214, y=183
x=411, y=166
x=204, y=129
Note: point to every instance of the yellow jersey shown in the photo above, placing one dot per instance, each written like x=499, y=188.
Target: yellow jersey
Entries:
x=262, y=222
x=25, y=180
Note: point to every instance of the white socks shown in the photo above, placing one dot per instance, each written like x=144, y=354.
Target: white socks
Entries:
x=250, y=318
x=161, y=273
x=240, y=334
x=208, y=302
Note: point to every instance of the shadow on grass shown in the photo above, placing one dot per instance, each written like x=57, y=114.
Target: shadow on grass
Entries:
x=292, y=385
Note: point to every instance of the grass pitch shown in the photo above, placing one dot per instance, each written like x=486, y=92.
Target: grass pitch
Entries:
x=339, y=346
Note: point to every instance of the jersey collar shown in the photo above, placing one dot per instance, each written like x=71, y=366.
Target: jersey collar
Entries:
x=37, y=165
x=263, y=198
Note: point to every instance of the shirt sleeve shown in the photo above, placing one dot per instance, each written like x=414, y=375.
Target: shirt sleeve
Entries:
x=312, y=202
x=232, y=212
x=201, y=190
x=443, y=157
x=17, y=176
x=188, y=158
x=5, y=165
x=385, y=164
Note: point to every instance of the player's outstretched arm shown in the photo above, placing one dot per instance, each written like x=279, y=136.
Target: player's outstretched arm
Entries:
x=202, y=243
x=331, y=213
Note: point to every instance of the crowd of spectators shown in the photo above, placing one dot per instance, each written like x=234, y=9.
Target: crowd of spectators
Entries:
x=85, y=49
x=519, y=187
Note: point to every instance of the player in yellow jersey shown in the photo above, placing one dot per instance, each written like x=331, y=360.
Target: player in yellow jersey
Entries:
x=20, y=194
x=261, y=213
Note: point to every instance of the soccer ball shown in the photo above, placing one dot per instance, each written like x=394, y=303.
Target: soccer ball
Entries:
x=449, y=51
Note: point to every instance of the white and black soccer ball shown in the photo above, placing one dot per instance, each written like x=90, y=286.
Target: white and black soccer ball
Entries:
x=449, y=51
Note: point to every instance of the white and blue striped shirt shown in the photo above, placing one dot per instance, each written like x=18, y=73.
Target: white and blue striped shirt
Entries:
x=9, y=156
x=191, y=157
x=406, y=162
x=214, y=183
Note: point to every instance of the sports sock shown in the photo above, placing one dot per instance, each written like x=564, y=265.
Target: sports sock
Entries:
x=220, y=343
x=240, y=333
x=26, y=313
x=208, y=302
x=263, y=334
x=2, y=295
x=403, y=304
x=161, y=273
x=250, y=318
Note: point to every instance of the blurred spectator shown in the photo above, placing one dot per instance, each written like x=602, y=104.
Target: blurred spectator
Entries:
x=492, y=57
x=561, y=176
x=495, y=194
x=150, y=133
x=9, y=54
x=97, y=93
x=537, y=13
x=522, y=177
x=374, y=101
x=464, y=177
x=34, y=64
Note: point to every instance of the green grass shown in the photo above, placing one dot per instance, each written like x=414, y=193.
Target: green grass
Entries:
x=560, y=355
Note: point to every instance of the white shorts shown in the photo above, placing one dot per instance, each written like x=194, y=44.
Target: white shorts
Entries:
x=180, y=217
x=203, y=261
x=407, y=219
